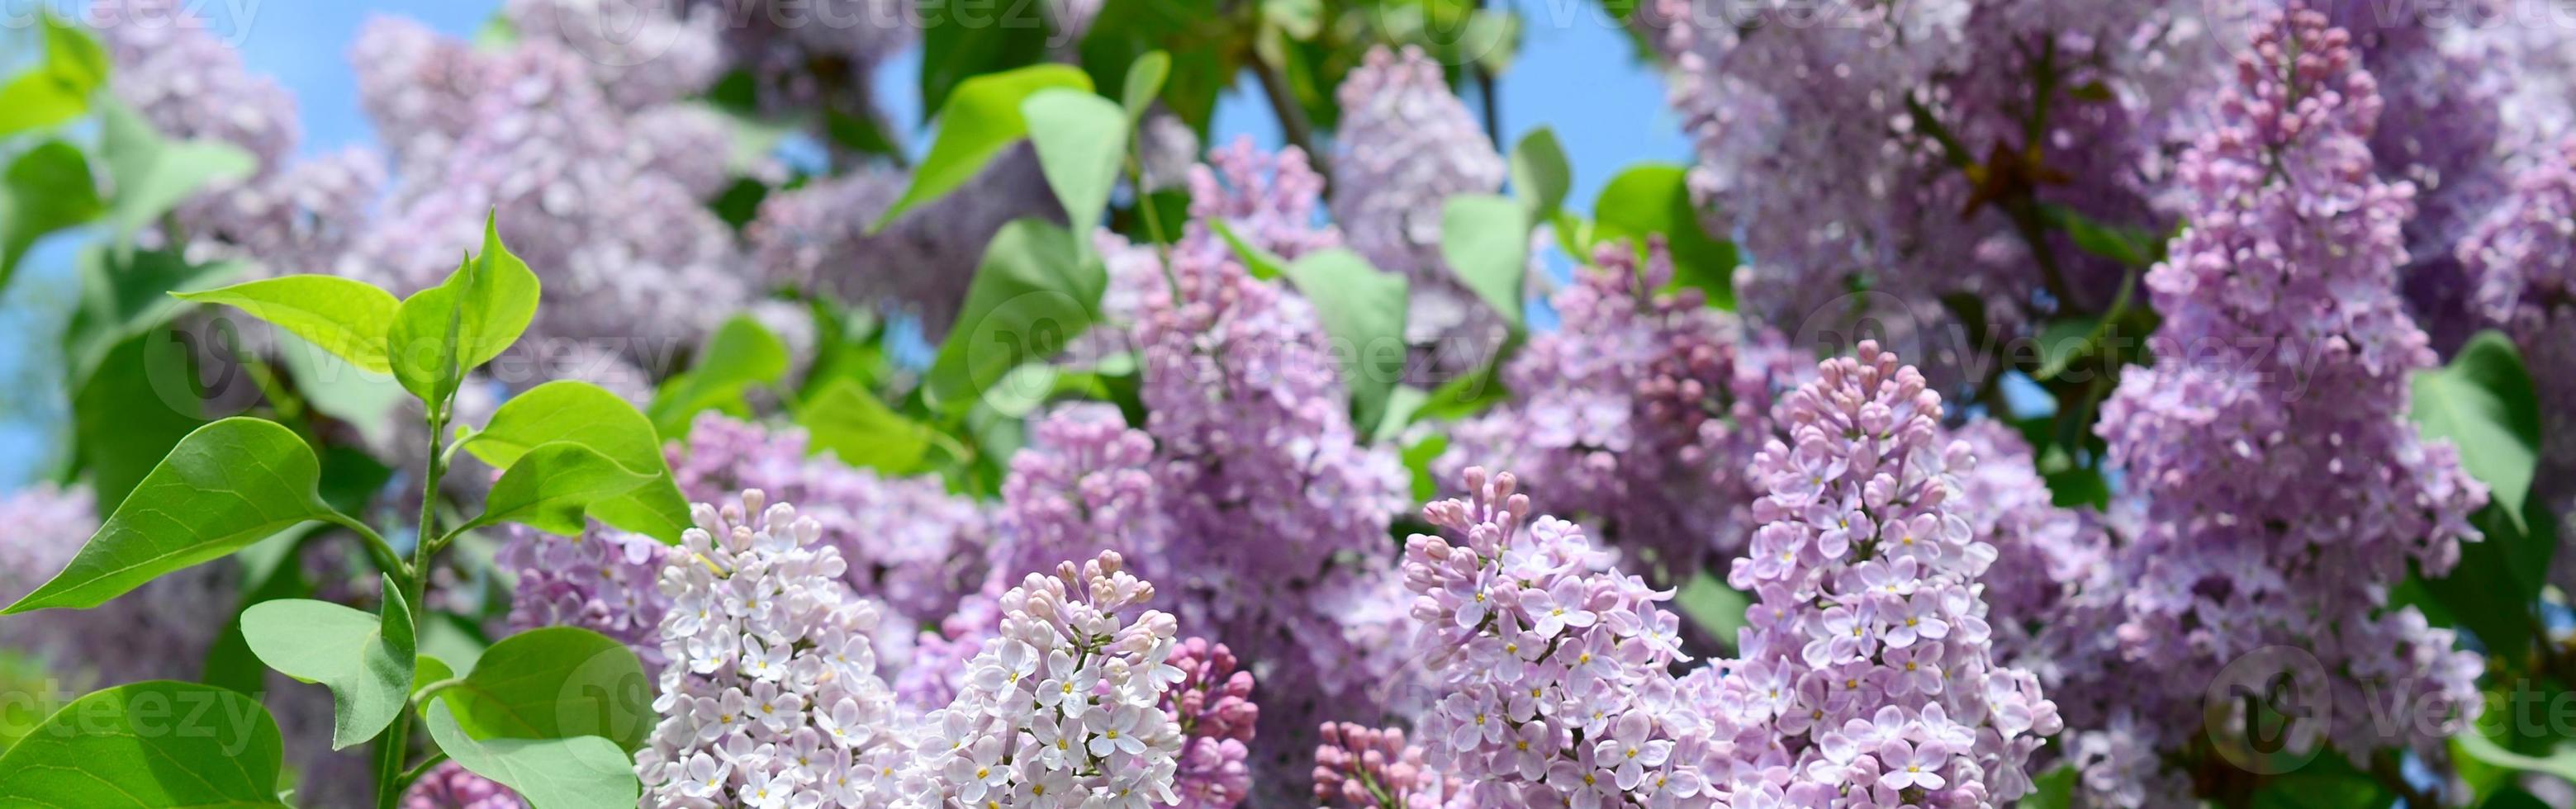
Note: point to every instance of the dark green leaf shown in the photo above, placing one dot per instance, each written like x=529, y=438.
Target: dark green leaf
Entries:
x=1485, y=240
x=962, y=40
x=48, y=188
x=2062, y=343
x=366, y=660
x=2054, y=789
x=345, y=317
x=152, y=745
x=848, y=422
x=551, y=486
x=2129, y=246
x=977, y=122
x=1081, y=141
x=1417, y=460
x=557, y=682
x=142, y=397
x=2484, y=403
x=586, y=414
x=227, y=485
x=584, y=772
x=1363, y=311
x=1034, y=291
x=270, y=571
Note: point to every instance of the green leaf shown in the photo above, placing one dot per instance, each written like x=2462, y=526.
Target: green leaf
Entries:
x=47, y=189
x=442, y=332
x=2559, y=762
x=556, y=682
x=2132, y=247
x=227, y=485
x=1716, y=608
x=367, y=401
x=848, y=422
x=975, y=123
x=154, y=175
x=1417, y=460
x=1466, y=395
x=1081, y=141
x=1144, y=81
x=551, y=486
x=1541, y=175
x=2484, y=403
x=428, y=670
x=585, y=772
x=1034, y=291
x=2062, y=342
x=139, y=401
x=2054, y=789
x=962, y=40
x=1363, y=310
x=366, y=660
x=149, y=745
x=740, y=354
x=127, y=292
x=588, y=415
x=345, y=317
x=1485, y=240
x=1401, y=406
x=1260, y=262
x=58, y=90
x=269, y=574
x=1654, y=199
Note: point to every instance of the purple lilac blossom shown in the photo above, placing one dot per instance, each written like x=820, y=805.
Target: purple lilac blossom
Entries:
x=2285, y=490
x=1213, y=705
x=1405, y=145
x=817, y=238
x=906, y=541
x=1554, y=666
x=771, y=696
x=603, y=580
x=449, y=786
x=1639, y=414
x=2044, y=554
x=1061, y=708
x=1369, y=768
x=1868, y=671
x=160, y=631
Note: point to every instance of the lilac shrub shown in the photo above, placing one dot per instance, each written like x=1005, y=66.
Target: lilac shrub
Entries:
x=2285, y=491
x=2521, y=263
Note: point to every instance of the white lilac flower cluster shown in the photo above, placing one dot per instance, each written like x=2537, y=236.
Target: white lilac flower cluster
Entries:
x=1063, y=708
x=771, y=698
x=1554, y=666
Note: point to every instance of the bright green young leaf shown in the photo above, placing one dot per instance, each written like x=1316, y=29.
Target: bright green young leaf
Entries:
x=151, y=745
x=1144, y=81
x=1033, y=293
x=847, y=421
x=366, y=660
x=1541, y=175
x=740, y=355
x=442, y=332
x=1081, y=141
x=47, y=189
x=1417, y=460
x=154, y=175
x=1711, y=605
x=583, y=772
x=551, y=486
x=429, y=670
x=2484, y=403
x=1261, y=263
x=1363, y=311
x=557, y=682
x=58, y=89
x=1654, y=199
x=1401, y=406
x=345, y=317
x=225, y=486
x=977, y=122
x=586, y=414
x=1485, y=240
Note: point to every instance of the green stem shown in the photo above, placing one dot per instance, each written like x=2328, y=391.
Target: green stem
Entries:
x=395, y=744
x=413, y=775
x=387, y=559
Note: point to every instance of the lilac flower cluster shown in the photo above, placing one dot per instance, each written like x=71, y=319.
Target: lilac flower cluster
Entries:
x=603, y=580
x=771, y=696
x=2521, y=263
x=817, y=238
x=1638, y=414
x=1084, y=484
x=804, y=54
x=2285, y=491
x=1406, y=145
x=449, y=786
x=1368, y=768
x=602, y=186
x=905, y=540
x=1213, y=705
x=160, y=631
x=2044, y=554
x=1063, y=708
x=1553, y=665
x=1868, y=674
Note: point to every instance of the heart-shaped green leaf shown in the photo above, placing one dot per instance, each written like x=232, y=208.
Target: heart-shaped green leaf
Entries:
x=1363, y=310
x=1034, y=291
x=153, y=174
x=586, y=414
x=1081, y=141
x=2485, y=404
x=549, y=488
x=1541, y=175
x=47, y=189
x=151, y=745
x=583, y=772
x=225, y=486
x=740, y=355
x=347, y=318
x=556, y=683
x=849, y=422
x=1485, y=240
x=366, y=660
x=1144, y=81
x=1654, y=199
x=977, y=121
